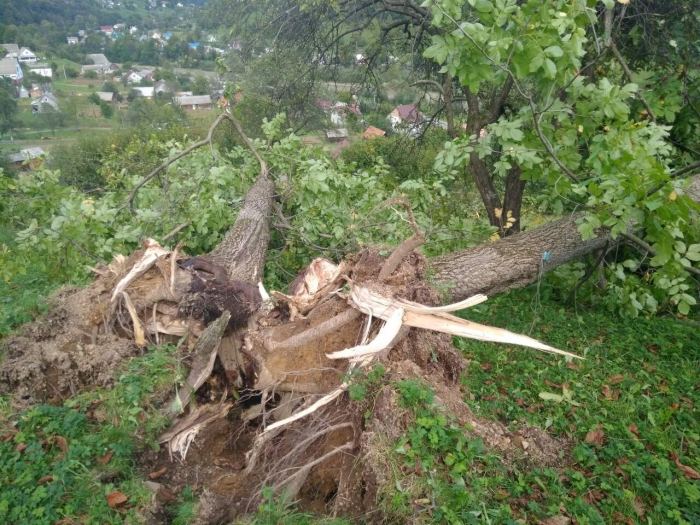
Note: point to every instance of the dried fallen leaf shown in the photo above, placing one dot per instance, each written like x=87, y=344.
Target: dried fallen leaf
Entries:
x=573, y=366
x=597, y=437
x=115, y=498
x=556, y=520
x=607, y=392
x=45, y=479
x=165, y=496
x=552, y=384
x=617, y=378
x=689, y=472
x=20, y=447
x=61, y=443
x=639, y=507
x=142, y=417
x=486, y=367
x=634, y=430
x=8, y=436
x=158, y=473
x=105, y=459
x=622, y=519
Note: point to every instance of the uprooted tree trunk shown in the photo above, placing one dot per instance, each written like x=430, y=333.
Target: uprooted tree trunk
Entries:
x=293, y=355
x=519, y=260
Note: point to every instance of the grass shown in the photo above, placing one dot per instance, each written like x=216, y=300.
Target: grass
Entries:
x=23, y=294
x=64, y=464
x=629, y=410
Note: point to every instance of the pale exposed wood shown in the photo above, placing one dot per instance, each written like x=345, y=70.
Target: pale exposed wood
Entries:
x=149, y=258
x=139, y=336
x=204, y=352
x=380, y=342
x=371, y=302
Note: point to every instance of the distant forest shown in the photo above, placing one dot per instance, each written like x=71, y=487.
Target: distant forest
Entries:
x=59, y=12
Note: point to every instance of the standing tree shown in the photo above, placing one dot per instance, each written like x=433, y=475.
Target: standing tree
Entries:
x=8, y=111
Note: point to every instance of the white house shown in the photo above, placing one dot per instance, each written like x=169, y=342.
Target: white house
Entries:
x=12, y=50
x=10, y=68
x=161, y=87
x=23, y=93
x=44, y=101
x=72, y=40
x=144, y=92
x=43, y=70
x=26, y=55
x=134, y=77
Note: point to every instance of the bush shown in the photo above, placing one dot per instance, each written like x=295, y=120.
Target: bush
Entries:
x=90, y=74
x=71, y=73
x=408, y=158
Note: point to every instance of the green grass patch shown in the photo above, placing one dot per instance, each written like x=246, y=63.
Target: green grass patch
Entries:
x=63, y=462
x=630, y=409
x=24, y=286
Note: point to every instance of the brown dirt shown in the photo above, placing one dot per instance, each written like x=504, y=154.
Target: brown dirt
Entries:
x=63, y=353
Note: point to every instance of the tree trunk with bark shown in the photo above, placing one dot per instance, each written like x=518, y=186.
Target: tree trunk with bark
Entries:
x=520, y=259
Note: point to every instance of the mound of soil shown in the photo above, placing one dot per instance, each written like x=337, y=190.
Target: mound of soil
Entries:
x=333, y=461
x=63, y=353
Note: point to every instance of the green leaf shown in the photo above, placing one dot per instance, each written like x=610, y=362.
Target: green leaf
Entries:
x=484, y=6
x=554, y=52
x=683, y=308
x=551, y=68
x=548, y=396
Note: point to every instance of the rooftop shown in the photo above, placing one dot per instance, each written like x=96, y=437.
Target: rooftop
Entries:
x=193, y=100
x=26, y=154
x=8, y=66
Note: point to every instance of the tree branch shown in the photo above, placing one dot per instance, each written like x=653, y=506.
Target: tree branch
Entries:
x=646, y=246
x=626, y=68
x=186, y=151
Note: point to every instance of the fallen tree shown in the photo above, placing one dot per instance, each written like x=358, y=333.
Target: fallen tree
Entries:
x=288, y=359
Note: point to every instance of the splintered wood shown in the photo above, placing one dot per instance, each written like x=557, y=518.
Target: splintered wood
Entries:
x=330, y=318
x=323, y=278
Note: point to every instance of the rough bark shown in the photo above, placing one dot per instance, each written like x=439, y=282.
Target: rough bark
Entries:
x=243, y=250
x=519, y=260
x=511, y=262
x=513, y=199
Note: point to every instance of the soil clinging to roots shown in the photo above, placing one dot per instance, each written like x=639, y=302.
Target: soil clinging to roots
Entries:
x=270, y=366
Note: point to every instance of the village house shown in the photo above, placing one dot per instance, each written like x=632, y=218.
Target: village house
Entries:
x=41, y=69
x=31, y=156
x=72, y=40
x=336, y=135
x=12, y=50
x=144, y=92
x=161, y=87
x=23, y=92
x=26, y=55
x=100, y=64
x=340, y=112
x=45, y=101
x=193, y=102
x=373, y=133
x=107, y=30
x=105, y=96
x=10, y=69
x=404, y=115
x=134, y=77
